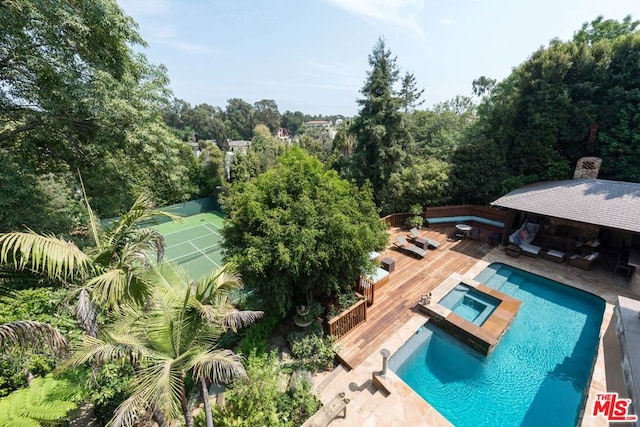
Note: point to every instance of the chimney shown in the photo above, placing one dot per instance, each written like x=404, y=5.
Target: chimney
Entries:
x=587, y=167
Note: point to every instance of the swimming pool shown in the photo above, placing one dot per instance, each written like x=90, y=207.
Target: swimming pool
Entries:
x=538, y=373
x=470, y=304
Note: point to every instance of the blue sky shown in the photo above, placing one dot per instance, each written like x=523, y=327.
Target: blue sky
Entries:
x=311, y=55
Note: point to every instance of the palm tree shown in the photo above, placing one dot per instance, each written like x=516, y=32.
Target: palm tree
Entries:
x=107, y=275
x=173, y=339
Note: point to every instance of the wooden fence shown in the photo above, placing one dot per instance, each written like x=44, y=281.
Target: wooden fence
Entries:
x=340, y=325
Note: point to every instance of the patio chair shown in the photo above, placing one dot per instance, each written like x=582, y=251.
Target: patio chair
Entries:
x=623, y=264
x=414, y=236
x=401, y=243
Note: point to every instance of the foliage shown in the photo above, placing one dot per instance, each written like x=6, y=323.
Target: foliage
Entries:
x=292, y=121
x=106, y=275
x=46, y=401
x=254, y=339
x=44, y=305
x=266, y=112
x=75, y=97
x=343, y=301
x=172, y=341
x=109, y=387
x=568, y=100
x=258, y=399
x=415, y=220
x=299, y=231
x=380, y=129
x=312, y=350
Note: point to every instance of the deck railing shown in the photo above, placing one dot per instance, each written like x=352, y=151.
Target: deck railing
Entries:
x=340, y=325
x=367, y=289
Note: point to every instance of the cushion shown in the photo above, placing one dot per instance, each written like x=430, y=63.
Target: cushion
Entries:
x=555, y=253
x=592, y=256
x=524, y=234
x=516, y=239
x=575, y=256
x=531, y=228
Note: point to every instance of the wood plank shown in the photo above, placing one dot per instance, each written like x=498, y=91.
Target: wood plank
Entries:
x=412, y=277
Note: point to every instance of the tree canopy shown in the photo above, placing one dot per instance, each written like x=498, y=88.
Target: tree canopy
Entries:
x=299, y=231
x=75, y=97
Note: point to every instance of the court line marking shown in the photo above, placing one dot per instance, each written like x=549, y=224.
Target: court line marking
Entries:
x=213, y=231
x=205, y=255
x=183, y=230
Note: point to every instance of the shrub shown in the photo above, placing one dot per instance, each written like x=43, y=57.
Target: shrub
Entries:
x=415, y=220
x=259, y=400
x=311, y=349
x=256, y=336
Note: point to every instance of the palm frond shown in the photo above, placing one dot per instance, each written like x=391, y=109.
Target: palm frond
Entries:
x=236, y=319
x=49, y=255
x=113, y=348
x=94, y=224
x=156, y=387
x=26, y=333
x=219, y=366
x=109, y=288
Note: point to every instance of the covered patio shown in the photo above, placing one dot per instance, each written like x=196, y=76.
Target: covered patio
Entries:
x=579, y=217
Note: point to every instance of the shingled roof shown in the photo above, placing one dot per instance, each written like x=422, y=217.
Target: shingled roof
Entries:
x=612, y=204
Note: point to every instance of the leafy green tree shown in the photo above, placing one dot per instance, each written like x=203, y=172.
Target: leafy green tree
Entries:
x=239, y=114
x=483, y=85
x=380, y=130
x=424, y=182
x=299, y=231
x=568, y=100
x=292, y=121
x=74, y=96
x=266, y=113
x=172, y=342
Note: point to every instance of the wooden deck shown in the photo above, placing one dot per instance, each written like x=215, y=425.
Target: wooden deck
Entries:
x=396, y=301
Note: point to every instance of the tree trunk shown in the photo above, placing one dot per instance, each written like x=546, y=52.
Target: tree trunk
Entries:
x=28, y=376
x=188, y=418
x=207, y=402
x=158, y=417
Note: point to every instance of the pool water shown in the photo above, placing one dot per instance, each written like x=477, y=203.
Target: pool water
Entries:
x=469, y=303
x=536, y=376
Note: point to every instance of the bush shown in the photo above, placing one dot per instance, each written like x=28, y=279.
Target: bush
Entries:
x=311, y=349
x=259, y=400
x=415, y=220
x=256, y=336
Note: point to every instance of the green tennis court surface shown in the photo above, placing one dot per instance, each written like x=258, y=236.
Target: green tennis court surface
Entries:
x=194, y=242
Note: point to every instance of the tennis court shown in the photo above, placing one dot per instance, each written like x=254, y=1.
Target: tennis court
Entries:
x=194, y=242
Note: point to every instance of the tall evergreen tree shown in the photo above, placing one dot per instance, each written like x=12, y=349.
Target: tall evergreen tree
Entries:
x=381, y=134
x=409, y=93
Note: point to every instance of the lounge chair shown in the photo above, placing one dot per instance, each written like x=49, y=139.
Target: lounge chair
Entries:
x=414, y=235
x=584, y=262
x=401, y=243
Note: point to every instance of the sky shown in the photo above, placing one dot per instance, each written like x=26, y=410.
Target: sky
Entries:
x=312, y=55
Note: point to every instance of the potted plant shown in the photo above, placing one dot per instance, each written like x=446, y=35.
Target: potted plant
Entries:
x=415, y=220
x=306, y=314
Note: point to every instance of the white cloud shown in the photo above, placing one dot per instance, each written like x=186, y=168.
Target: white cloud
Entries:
x=403, y=13
x=447, y=22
